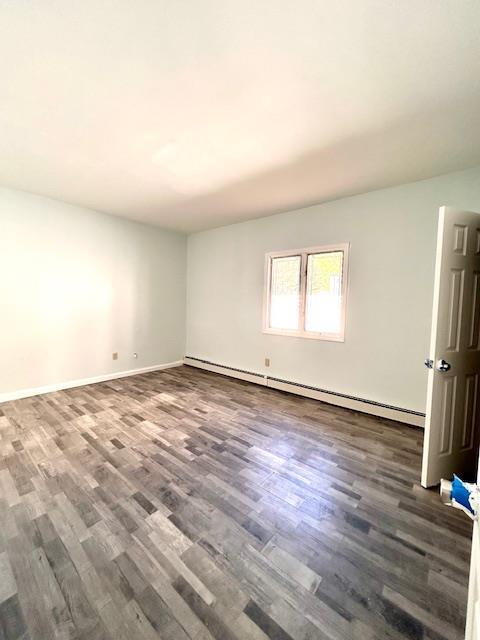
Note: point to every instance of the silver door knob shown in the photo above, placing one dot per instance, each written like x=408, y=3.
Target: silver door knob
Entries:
x=443, y=365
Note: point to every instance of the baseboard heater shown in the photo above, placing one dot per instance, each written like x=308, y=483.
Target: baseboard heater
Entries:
x=408, y=416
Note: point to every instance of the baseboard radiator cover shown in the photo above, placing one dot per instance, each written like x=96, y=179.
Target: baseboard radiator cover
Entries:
x=61, y=386
x=408, y=416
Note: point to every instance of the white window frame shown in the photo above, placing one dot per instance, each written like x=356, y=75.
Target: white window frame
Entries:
x=304, y=253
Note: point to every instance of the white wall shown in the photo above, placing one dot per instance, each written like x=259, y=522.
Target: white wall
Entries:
x=77, y=285
x=392, y=234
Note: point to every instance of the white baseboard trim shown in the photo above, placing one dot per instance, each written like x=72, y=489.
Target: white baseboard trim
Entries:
x=407, y=416
x=36, y=391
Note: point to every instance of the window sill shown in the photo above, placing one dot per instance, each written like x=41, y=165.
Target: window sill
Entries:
x=329, y=337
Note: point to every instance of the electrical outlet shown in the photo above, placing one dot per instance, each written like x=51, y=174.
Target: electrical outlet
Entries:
x=115, y=355
x=267, y=362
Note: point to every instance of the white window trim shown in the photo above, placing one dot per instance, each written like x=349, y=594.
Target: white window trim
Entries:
x=304, y=253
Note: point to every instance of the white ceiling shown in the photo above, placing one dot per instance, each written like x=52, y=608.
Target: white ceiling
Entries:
x=191, y=114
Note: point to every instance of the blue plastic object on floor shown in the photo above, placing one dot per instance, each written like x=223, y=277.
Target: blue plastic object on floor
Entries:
x=461, y=493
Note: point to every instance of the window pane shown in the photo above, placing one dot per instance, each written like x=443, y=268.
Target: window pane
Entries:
x=285, y=292
x=324, y=292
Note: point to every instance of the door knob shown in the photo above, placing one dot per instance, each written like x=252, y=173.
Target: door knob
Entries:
x=443, y=365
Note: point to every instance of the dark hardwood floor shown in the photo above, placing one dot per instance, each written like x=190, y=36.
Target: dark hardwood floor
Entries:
x=182, y=504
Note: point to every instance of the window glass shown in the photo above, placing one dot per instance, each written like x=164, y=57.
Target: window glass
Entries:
x=285, y=293
x=323, y=312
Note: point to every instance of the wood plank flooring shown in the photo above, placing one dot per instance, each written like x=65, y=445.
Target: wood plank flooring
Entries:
x=186, y=505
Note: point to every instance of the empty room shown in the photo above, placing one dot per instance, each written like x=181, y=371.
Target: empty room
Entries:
x=239, y=320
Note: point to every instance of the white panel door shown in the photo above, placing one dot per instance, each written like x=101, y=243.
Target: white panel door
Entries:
x=451, y=427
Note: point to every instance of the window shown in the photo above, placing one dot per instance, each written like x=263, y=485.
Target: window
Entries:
x=305, y=292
